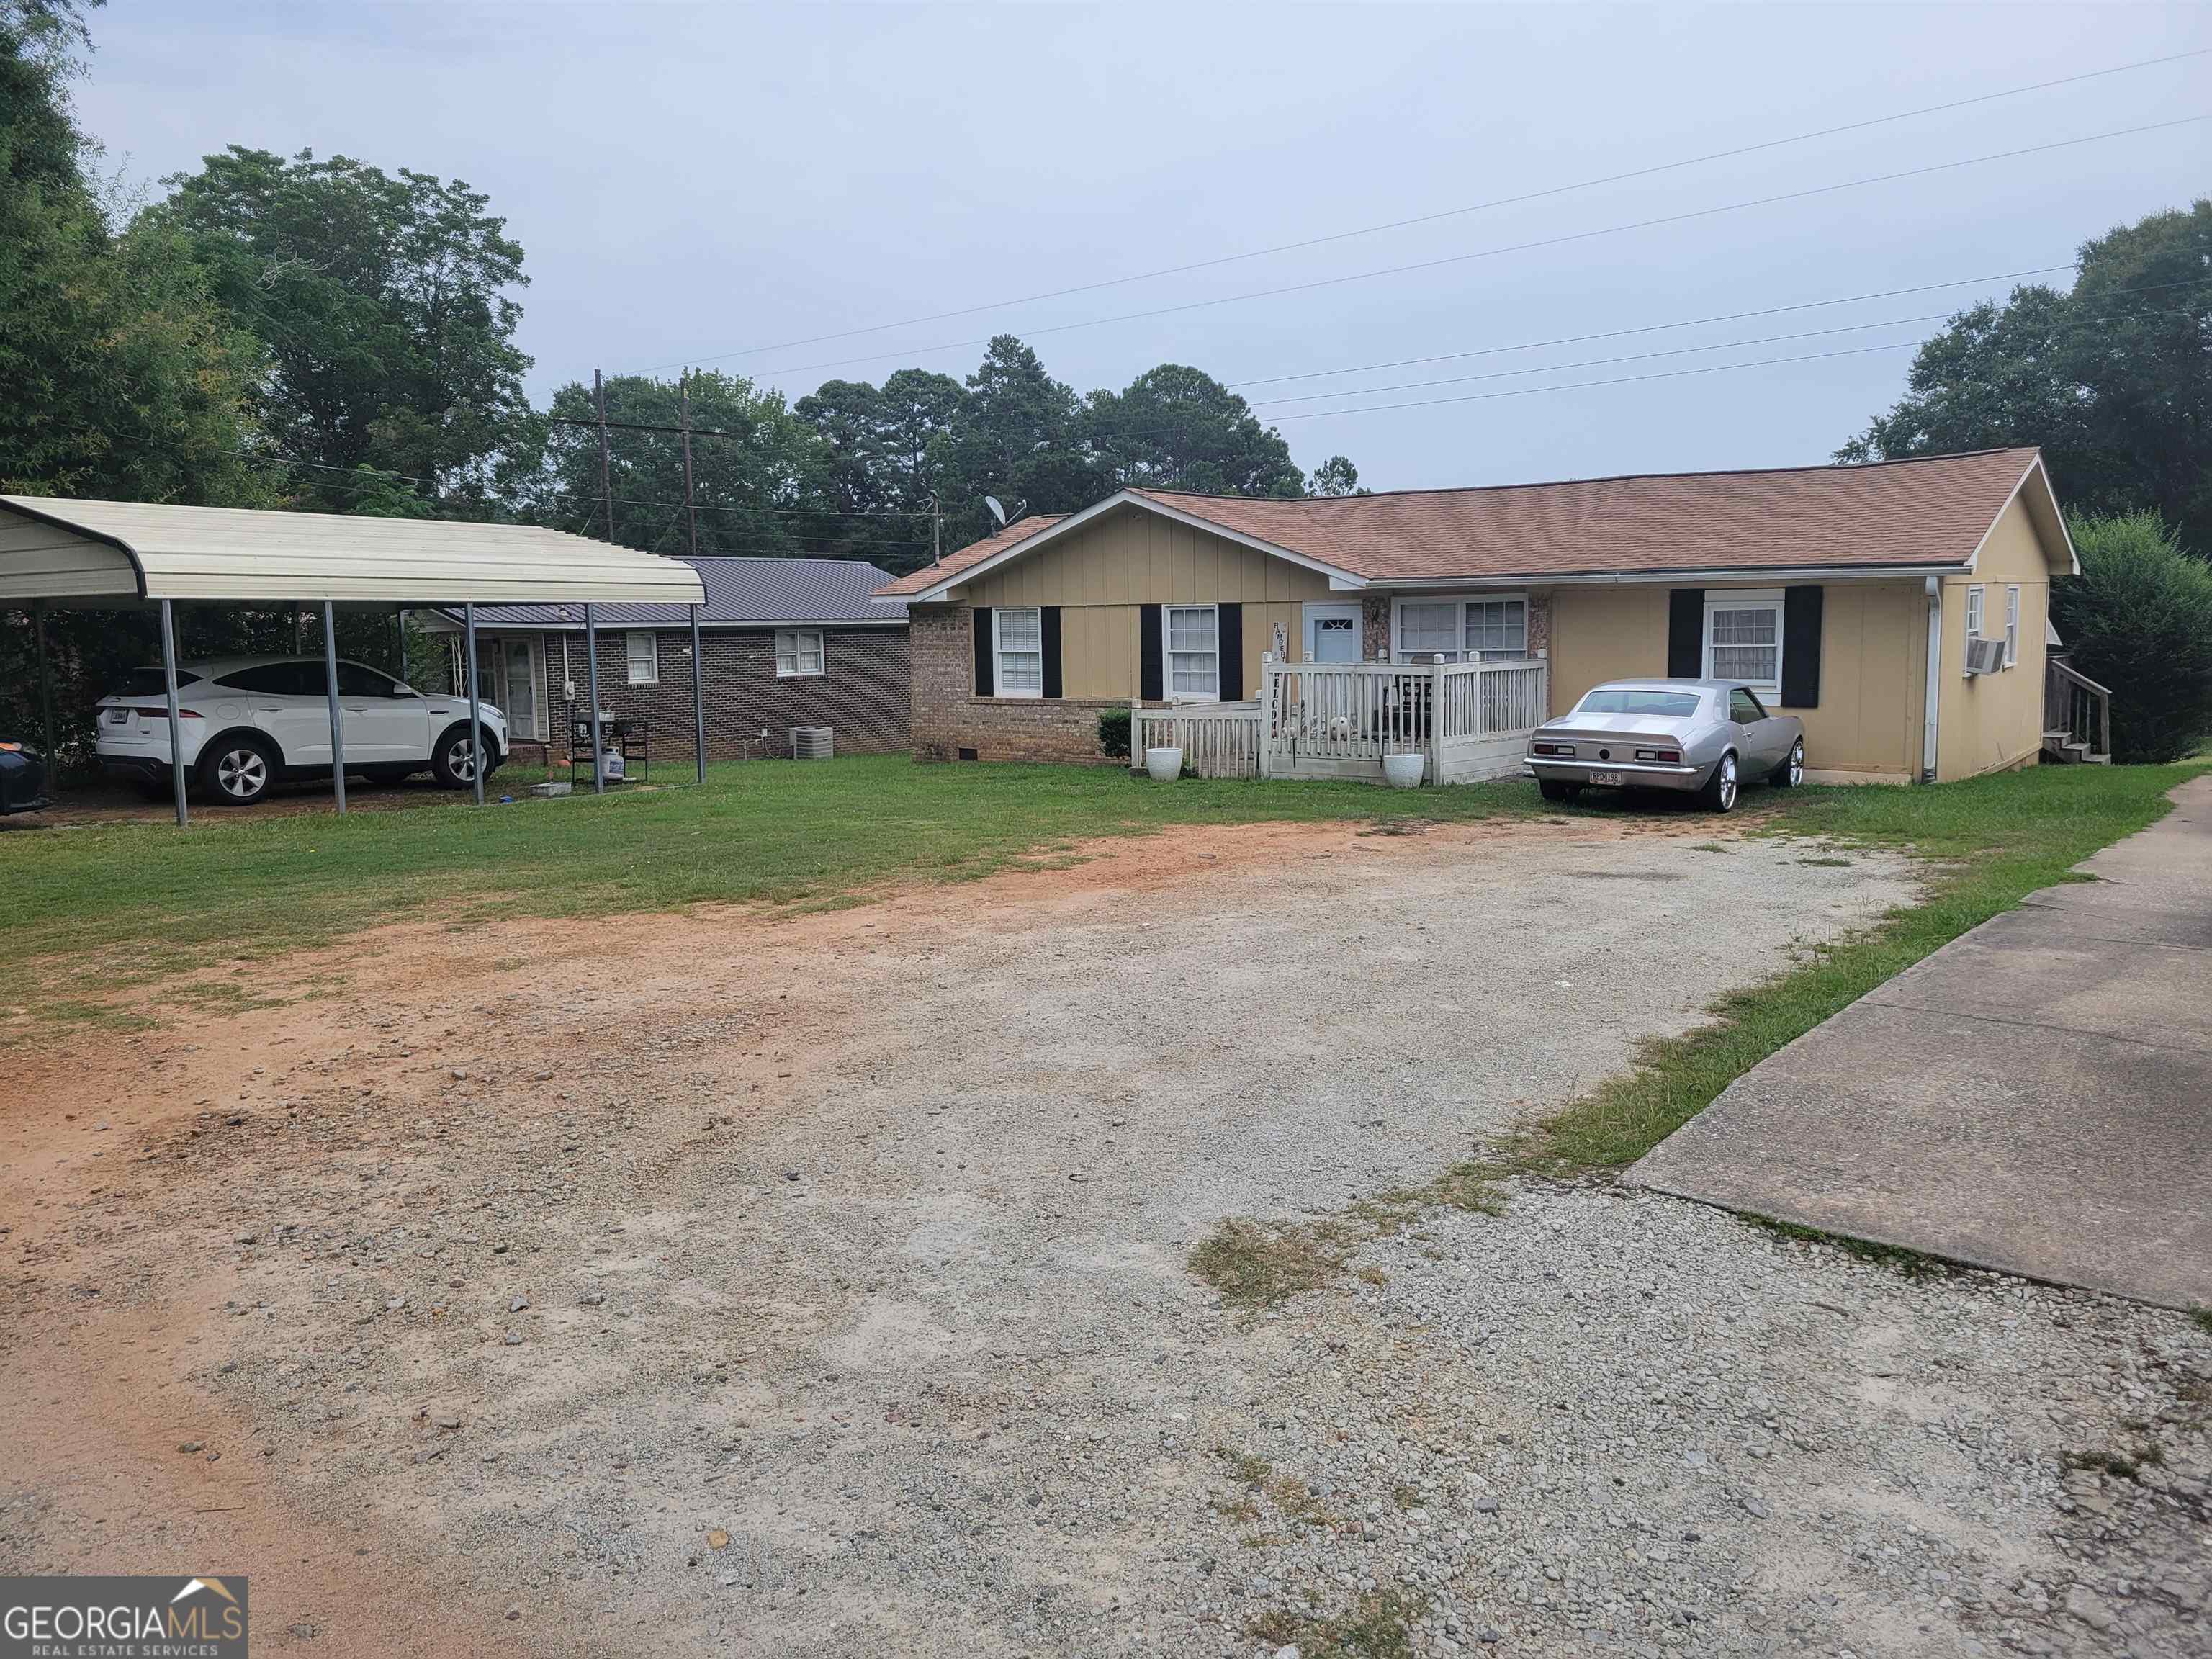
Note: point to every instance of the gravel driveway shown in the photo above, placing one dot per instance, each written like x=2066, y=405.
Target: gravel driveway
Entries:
x=818, y=1288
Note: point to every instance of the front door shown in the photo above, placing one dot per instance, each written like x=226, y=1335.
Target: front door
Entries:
x=520, y=702
x=1332, y=633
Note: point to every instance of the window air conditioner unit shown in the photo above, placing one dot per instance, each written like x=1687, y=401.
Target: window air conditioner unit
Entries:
x=1983, y=656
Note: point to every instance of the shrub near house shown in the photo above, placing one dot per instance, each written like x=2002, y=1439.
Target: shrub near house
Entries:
x=2139, y=619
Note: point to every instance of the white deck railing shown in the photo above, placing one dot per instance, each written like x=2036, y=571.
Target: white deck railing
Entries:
x=1218, y=739
x=1470, y=720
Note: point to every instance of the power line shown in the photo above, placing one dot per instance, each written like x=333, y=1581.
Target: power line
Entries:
x=1571, y=237
x=1672, y=351
x=1652, y=328
x=1626, y=379
x=1458, y=212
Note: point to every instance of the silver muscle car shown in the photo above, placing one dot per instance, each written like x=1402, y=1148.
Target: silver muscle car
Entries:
x=1706, y=736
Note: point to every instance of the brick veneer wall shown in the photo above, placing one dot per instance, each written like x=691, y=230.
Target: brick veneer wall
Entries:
x=1375, y=628
x=864, y=694
x=949, y=717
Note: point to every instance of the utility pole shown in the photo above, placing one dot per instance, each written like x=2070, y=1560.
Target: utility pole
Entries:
x=606, y=467
x=936, y=532
x=698, y=646
x=690, y=510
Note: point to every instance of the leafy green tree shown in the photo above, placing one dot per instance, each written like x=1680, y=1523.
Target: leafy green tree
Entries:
x=2139, y=619
x=386, y=305
x=1177, y=428
x=1335, y=477
x=2113, y=378
x=884, y=450
x=119, y=376
x=1015, y=436
x=758, y=487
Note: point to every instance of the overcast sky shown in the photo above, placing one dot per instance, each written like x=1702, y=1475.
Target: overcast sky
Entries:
x=692, y=183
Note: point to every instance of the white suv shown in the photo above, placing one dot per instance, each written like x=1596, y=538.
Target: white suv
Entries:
x=247, y=721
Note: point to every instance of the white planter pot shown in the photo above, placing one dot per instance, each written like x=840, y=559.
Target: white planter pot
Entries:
x=1404, y=771
x=1164, y=764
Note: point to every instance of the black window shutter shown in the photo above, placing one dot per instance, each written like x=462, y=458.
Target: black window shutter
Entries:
x=1232, y=684
x=1049, y=628
x=1686, y=633
x=1800, y=647
x=1152, y=673
x=983, y=682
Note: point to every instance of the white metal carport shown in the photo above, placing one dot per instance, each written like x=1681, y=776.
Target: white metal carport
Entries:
x=123, y=554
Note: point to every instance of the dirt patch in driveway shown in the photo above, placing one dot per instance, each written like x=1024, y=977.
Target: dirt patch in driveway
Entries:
x=810, y=1285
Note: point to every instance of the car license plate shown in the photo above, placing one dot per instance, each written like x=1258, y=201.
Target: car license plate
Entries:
x=118, y=717
x=1604, y=778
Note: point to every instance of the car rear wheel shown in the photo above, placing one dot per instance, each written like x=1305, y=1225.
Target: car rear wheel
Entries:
x=1721, y=789
x=238, y=769
x=1558, y=789
x=453, y=762
x=1791, y=772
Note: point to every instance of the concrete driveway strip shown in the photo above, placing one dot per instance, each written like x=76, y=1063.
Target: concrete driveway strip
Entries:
x=2036, y=1097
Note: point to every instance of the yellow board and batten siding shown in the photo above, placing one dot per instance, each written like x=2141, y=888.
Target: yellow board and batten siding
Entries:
x=1873, y=653
x=1993, y=721
x=1102, y=573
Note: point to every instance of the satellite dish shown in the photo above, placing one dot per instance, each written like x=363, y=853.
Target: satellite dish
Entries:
x=997, y=511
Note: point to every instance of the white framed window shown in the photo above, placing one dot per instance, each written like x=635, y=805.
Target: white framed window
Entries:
x=1974, y=613
x=1496, y=625
x=2011, y=625
x=1018, y=647
x=644, y=651
x=1194, y=651
x=799, y=654
x=1743, y=637
x=1427, y=628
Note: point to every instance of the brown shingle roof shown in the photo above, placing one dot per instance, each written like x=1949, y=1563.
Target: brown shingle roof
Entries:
x=1929, y=511
x=975, y=553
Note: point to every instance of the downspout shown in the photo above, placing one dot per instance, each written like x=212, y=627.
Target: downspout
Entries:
x=1932, y=699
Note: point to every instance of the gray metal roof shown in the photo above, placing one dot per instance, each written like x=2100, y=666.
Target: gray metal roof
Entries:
x=738, y=591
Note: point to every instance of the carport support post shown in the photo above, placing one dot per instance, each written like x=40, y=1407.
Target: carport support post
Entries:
x=46, y=689
x=338, y=721
x=176, y=722
x=592, y=673
x=475, y=715
x=698, y=697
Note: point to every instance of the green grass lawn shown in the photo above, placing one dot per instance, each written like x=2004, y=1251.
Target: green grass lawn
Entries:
x=94, y=905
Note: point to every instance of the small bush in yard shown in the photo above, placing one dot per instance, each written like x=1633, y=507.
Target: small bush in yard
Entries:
x=2139, y=620
x=1114, y=734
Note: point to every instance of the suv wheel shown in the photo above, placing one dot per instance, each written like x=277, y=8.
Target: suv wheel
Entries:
x=453, y=762
x=238, y=769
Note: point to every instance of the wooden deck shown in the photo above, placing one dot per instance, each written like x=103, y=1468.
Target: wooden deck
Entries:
x=1469, y=721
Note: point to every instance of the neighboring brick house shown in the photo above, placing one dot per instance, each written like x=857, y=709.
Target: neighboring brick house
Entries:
x=1852, y=597
x=788, y=642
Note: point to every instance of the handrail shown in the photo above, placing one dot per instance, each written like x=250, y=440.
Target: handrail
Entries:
x=2079, y=678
